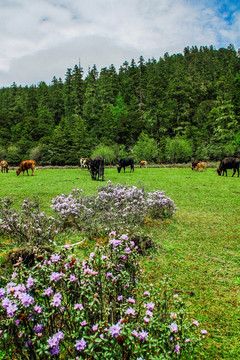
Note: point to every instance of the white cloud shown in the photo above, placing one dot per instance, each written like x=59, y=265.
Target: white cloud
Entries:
x=54, y=33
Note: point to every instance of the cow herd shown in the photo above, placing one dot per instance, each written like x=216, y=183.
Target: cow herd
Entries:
x=96, y=166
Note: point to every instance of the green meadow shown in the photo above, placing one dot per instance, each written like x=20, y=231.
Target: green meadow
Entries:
x=199, y=248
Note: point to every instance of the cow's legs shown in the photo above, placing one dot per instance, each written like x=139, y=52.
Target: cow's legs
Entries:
x=234, y=170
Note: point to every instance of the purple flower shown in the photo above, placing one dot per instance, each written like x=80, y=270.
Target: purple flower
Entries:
x=109, y=274
x=120, y=298
x=26, y=299
x=5, y=303
x=38, y=309
x=143, y=335
x=48, y=291
x=124, y=237
x=11, y=309
x=115, y=330
x=83, y=323
x=30, y=282
x=135, y=333
x=95, y=327
x=187, y=340
x=173, y=316
x=38, y=328
x=56, y=301
x=174, y=327
x=146, y=319
x=14, y=274
x=55, y=339
x=195, y=322
x=55, y=350
x=80, y=344
x=55, y=276
x=55, y=258
x=149, y=313
x=146, y=293
x=78, y=307
x=177, y=349
x=130, y=311
x=73, y=277
x=204, y=332
x=115, y=243
x=2, y=292
x=131, y=300
x=149, y=306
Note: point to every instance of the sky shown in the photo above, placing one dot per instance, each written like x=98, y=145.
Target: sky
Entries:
x=40, y=39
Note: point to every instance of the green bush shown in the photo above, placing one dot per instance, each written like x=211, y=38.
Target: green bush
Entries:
x=178, y=150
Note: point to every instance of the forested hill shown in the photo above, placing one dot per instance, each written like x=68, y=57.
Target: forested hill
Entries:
x=180, y=107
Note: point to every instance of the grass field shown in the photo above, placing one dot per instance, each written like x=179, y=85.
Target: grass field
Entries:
x=199, y=248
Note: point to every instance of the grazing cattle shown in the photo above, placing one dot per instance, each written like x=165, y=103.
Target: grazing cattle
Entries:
x=228, y=163
x=194, y=164
x=85, y=163
x=97, y=168
x=201, y=165
x=26, y=165
x=143, y=163
x=125, y=162
x=4, y=166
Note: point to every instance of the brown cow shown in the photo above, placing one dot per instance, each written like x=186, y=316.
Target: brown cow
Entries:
x=4, y=166
x=26, y=165
x=201, y=165
x=143, y=163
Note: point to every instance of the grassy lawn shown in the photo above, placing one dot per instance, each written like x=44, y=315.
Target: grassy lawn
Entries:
x=199, y=248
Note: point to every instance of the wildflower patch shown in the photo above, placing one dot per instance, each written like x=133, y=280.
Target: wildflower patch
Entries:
x=95, y=308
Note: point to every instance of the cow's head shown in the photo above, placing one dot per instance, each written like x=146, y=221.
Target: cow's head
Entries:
x=219, y=171
x=119, y=169
x=18, y=171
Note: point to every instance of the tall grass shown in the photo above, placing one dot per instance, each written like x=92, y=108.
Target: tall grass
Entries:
x=199, y=249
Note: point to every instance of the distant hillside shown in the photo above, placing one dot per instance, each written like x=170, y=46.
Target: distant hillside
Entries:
x=176, y=108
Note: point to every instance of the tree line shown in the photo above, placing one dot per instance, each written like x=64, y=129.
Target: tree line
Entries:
x=168, y=110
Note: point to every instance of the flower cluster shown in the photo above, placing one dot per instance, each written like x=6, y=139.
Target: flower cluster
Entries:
x=28, y=225
x=94, y=308
x=114, y=206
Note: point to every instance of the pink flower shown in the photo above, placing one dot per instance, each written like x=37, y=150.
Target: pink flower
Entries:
x=83, y=323
x=204, y=332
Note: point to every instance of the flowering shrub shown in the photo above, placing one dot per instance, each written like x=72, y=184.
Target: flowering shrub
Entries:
x=29, y=225
x=94, y=309
x=114, y=206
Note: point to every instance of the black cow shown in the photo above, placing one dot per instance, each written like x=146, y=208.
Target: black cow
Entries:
x=228, y=163
x=125, y=162
x=97, y=168
x=194, y=164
